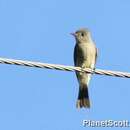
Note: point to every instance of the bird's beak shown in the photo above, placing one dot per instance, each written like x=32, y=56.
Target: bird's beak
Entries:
x=73, y=34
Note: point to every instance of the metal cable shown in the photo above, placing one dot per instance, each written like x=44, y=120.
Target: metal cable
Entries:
x=64, y=67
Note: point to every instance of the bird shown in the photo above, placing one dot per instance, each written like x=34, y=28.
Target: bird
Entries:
x=85, y=55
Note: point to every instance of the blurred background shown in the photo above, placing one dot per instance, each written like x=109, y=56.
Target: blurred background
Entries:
x=39, y=30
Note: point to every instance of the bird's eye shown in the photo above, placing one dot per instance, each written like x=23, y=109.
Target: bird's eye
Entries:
x=82, y=34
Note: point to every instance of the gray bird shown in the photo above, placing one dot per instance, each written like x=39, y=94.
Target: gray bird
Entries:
x=85, y=54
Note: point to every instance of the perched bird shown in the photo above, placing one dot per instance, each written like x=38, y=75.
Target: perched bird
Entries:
x=85, y=54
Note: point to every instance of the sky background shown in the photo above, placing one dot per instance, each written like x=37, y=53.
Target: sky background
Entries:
x=39, y=30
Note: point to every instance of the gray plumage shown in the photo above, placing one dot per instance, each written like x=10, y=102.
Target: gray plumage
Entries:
x=85, y=54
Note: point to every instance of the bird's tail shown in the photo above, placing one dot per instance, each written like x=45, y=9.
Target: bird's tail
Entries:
x=83, y=97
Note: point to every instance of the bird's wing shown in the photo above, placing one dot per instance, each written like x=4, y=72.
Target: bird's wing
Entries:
x=79, y=55
x=75, y=55
x=96, y=55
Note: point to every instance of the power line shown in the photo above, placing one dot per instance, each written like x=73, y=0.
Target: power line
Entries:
x=63, y=67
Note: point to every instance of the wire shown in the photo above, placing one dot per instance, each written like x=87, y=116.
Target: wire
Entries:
x=63, y=67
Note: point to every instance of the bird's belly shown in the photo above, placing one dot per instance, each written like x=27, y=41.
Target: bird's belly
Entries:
x=89, y=62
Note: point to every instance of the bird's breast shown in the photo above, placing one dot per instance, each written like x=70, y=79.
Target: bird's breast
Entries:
x=88, y=54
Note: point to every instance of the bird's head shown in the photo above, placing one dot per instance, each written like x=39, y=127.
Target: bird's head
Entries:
x=82, y=35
